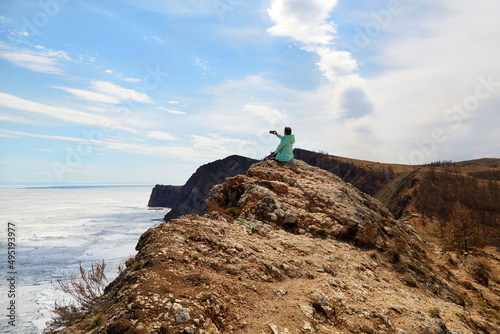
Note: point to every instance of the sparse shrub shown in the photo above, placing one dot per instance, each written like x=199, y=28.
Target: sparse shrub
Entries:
x=97, y=319
x=435, y=312
x=205, y=281
x=322, y=232
x=410, y=281
x=196, y=257
x=172, y=300
x=234, y=211
x=130, y=261
x=482, y=272
x=137, y=266
x=85, y=290
x=461, y=233
x=314, y=324
x=367, y=235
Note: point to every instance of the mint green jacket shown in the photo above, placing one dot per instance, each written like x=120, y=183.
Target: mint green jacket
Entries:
x=284, y=151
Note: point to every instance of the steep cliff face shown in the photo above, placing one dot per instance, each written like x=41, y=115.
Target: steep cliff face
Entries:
x=190, y=198
x=290, y=248
x=165, y=196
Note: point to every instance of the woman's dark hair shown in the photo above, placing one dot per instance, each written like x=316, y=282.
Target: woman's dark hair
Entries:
x=288, y=131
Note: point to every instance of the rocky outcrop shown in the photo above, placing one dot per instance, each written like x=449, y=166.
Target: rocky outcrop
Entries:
x=302, y=198
x=190, y=198
x=164, y=196
x=286, y=248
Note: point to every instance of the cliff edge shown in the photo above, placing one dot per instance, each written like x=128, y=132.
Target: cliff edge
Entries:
x=290, y=248
x=190, y=198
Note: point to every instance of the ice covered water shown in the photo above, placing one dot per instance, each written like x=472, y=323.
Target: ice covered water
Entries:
x=57, y=228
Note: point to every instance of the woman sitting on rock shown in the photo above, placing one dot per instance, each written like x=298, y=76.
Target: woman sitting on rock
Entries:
x=284, y=151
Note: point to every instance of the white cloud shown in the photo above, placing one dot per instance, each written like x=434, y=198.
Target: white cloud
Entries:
x=17, y=134
x=173, y=102
x=61, y=113
x=309, y=24
x=202, y=66
x=270, y=114
x=131, y=80
x=155, y=39
x=172, y=111
x=428, y=73
x=124, y=94
x=304, y=21
x=108, y=92
x=184, y=153
x=43, y=60
x=218, y=145
x=162, y=135
x=90, y=96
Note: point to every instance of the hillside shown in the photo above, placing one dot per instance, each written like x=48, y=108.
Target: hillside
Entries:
x=291, y=248
x=431, y=191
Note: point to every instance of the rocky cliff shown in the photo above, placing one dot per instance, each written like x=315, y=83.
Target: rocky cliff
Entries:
x=190, y=198
x=165, y=196
x=290, y=248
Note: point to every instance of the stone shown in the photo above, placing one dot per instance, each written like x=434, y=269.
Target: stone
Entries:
x=190, y=330
x=181, y=314
x=308, y=311
x=367, y=329
x=274, y=329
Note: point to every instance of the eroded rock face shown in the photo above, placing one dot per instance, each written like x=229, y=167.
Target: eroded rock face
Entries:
x=300, y=197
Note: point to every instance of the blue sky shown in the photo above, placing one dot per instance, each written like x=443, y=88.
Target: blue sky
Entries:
x=146, y=91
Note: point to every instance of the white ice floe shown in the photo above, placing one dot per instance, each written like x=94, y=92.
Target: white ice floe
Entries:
x=58, y=228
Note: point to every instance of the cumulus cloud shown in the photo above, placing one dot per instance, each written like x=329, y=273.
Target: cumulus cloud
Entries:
x=309, y=24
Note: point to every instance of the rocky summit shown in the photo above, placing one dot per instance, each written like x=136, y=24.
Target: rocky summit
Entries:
x=290, y=248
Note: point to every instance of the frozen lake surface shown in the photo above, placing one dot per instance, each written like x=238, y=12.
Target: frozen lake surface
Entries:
x=56, y=228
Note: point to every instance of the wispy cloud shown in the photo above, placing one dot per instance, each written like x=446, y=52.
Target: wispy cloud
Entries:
x=18, y=134
x=132, y=80
x=184, y=153
x=162, y=135
x=108, y=92
x=155, y=39
x=270, y=114
x=60, y=113
x=202, y=66
x=90, y=96
x=172, y=111
x=41, y=60
x=124, y=94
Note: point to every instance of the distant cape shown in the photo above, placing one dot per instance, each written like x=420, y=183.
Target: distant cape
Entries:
x=190, y=198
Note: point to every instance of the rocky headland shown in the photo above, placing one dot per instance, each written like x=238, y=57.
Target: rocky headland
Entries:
x=291, y=248
x=190, y=198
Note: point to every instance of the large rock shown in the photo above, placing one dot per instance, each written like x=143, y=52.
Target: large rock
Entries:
x=300, y=197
